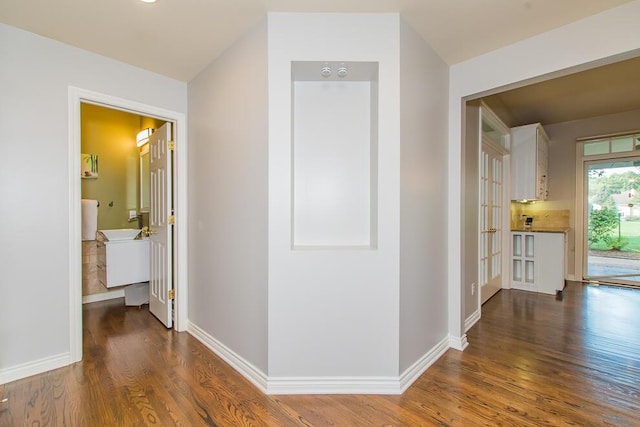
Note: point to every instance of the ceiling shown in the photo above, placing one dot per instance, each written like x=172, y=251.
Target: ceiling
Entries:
x=179, y=38
x=609, y=89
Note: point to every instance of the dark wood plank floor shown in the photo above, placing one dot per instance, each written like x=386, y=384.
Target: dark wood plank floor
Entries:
x=533, y=360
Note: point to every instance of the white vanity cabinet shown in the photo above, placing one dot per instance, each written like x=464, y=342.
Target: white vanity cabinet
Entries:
x=529, y=162
x=537, y=261
x=123, y=262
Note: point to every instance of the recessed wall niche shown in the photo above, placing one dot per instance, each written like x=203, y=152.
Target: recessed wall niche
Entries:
x=334, y=154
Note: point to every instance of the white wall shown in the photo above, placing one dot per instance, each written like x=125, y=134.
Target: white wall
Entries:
x=228, y=198
x=471, y=231
x=424, y=80
x=34, y=185
x=333, y=312
x=613, y=32
x=332, y=150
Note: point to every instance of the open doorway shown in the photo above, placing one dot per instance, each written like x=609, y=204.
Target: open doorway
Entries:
x=78, y=97
x=611, y=205
x=115, y=196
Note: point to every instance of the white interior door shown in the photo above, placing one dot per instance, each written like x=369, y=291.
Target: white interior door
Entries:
x=491, y=220
x=160, y=171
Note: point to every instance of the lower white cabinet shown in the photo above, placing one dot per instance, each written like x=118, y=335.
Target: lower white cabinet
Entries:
x=123, y=262
x=537, y=261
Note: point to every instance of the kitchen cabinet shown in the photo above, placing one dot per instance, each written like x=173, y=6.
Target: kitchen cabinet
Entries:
x=537, y=261
x=529, y=163
x=123, y=262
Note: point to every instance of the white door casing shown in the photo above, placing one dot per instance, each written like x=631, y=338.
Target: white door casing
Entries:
x=161, y=239
x=491, y=219
x=76, y=97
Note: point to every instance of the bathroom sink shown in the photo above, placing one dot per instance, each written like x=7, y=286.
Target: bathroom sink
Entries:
x=121, y=234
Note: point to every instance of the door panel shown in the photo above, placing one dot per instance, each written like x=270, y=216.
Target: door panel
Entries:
x=491, y=221
x=161, y=239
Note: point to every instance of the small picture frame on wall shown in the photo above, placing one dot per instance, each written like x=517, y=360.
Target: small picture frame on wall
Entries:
x=88, y=166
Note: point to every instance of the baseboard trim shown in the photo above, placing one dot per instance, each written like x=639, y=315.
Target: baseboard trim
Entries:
x=104, y=296
x=35, y=367
x=237, y=362
x=471, y=320
x=333, y=385
x=458, y=343
x=409, y=376
x=321, y=385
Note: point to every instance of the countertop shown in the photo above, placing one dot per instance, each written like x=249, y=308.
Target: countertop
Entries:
x=540, y=230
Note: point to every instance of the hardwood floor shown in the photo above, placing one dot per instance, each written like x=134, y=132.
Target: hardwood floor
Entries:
x=532, y=360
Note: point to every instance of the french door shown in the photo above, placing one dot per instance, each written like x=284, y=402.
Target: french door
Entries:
x=491, y=218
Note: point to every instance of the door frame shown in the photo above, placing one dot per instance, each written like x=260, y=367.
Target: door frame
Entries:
x=76, y=97
x=580, y=243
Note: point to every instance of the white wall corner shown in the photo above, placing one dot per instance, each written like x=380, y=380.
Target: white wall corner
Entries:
x=412, y=373
x=35, y=367
x=472, y=320
x=458, y=343
x=237, y=362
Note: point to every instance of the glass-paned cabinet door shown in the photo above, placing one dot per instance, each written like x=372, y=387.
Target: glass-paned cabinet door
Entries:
x=529, y=246
x=517, y=245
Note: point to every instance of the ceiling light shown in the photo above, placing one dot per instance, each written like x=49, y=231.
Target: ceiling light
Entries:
x=342, y=71
x=325, y=71
x=148, y=1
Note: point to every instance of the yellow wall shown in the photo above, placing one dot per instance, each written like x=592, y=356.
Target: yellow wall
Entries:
x=111, y=135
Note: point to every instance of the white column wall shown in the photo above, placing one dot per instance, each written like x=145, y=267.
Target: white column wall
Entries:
x=610, y=33
x=228, y=200
x=333, y=312
x=424, y=82
x=35, y=76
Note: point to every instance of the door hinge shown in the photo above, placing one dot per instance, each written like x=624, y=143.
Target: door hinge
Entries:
x=172, y=294
x=171, y=145
x=172, y=219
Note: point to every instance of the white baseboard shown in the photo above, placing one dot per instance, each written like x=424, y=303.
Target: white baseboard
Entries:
x=119, y=293
x=333, y=385
x=33, y=368
x=320, y=385
x=246, y=369
x=409, y=376
x=458, y=343
x=471, y=320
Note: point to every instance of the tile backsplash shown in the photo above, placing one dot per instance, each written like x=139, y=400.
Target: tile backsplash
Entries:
x=545, y=218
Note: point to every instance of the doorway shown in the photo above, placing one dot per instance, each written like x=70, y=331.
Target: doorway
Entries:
x=115, y=196
x=612, y=210
x=78, y=96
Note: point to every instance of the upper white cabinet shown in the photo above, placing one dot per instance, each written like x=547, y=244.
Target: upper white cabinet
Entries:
x=529, y=162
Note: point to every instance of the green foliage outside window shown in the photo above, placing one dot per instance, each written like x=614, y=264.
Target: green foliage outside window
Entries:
x=601, y=224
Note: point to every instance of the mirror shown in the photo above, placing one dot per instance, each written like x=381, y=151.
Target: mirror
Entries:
x=145, y=198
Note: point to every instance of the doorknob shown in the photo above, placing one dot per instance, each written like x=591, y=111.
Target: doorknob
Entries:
x=146, y=231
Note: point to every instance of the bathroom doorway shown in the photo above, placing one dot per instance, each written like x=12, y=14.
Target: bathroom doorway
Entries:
x=115, y=191
x=78, y=98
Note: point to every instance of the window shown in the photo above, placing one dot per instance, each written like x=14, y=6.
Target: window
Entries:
x=616, y=144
